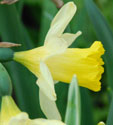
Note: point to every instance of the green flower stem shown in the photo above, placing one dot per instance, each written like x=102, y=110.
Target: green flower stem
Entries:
x=6, y=54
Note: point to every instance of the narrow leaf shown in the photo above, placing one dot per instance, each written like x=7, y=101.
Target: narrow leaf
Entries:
x=73, y=105
x=110, y=115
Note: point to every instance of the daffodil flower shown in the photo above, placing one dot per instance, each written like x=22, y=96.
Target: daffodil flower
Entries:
x=11, y=115
x=54, y=61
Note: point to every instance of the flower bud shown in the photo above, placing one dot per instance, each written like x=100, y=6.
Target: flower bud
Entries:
x=5, y=82
x=6, y=54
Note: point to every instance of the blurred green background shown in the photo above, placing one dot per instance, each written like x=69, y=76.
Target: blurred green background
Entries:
x=28, y=21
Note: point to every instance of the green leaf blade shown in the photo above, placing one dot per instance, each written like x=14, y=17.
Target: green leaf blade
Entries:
x=73, y=112
x=110, y=115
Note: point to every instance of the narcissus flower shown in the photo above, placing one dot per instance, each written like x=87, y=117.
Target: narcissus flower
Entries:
x=11, y=115
x=55, y=61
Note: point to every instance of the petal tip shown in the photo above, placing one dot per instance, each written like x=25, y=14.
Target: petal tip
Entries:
x=98, y=88
x=54, y=97
x=78, y=33
x=74, y=76
x=98, y=45
x=72, y=5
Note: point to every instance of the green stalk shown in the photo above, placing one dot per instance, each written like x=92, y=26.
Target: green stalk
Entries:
x=6, y=54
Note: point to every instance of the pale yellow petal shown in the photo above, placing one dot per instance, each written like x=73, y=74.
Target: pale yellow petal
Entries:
x=23, y=119
x=46, y=122
x=55, y=46
x=58, y=45
x=45, y=82
x=55, y=42
x=8, y=109
x=61, y=20
x=49, y=107
x=20, y=119
x=69, y=38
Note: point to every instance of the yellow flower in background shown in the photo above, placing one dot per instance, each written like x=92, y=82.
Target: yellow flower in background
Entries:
x=8, y=110
x=101, y=123
x=11, y=115
x=55, y=61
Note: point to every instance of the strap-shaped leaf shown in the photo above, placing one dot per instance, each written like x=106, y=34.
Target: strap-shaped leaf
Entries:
x=110, y=115
x=73, y=106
